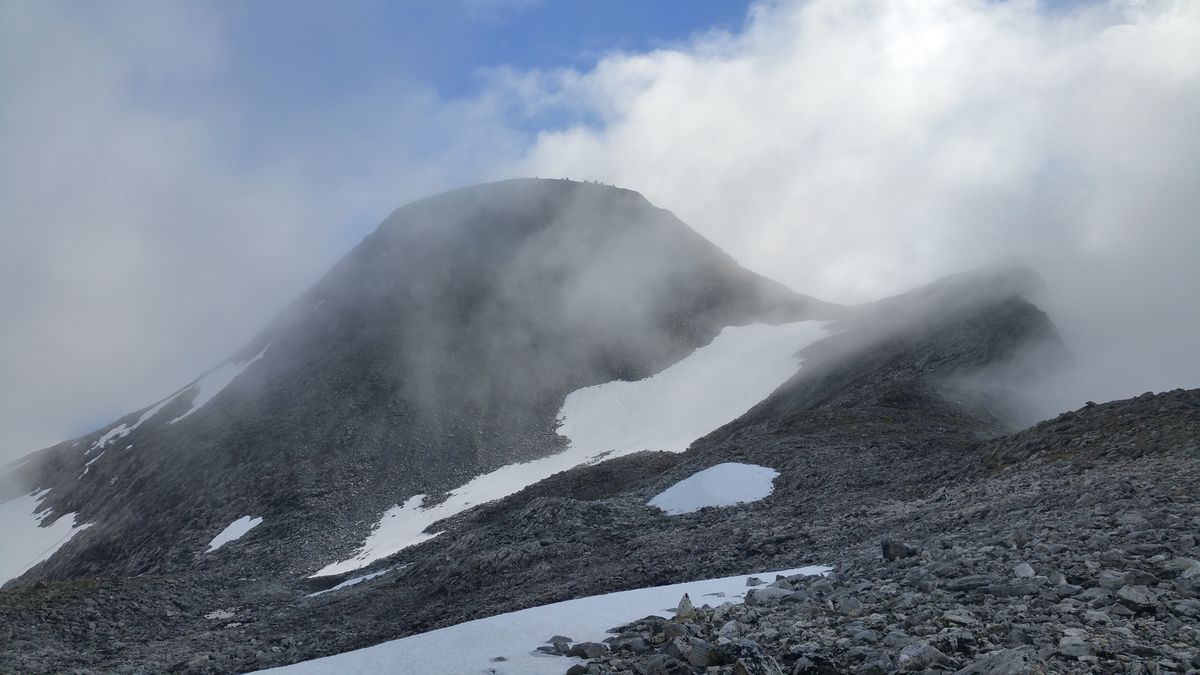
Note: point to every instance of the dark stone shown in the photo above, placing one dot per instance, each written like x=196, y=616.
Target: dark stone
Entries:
x=895, y=550
x=588, y=650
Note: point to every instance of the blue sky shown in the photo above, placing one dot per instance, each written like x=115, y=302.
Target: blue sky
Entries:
x=297, y=53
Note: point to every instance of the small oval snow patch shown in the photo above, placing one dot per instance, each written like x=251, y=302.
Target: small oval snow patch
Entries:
x=234, y=531
x=721, y=485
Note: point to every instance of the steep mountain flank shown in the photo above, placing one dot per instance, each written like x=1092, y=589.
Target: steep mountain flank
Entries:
x=438, y=349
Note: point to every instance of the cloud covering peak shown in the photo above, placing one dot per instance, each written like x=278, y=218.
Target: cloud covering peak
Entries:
x=855, y=149
x=157, y=205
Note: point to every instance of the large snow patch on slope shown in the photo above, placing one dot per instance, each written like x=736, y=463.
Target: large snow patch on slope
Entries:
x=721, y=485
x=26, y=542
x=468, y=648
x=713, y=386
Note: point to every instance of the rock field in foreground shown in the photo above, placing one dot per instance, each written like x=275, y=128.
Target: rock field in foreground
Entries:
x=1073, y=557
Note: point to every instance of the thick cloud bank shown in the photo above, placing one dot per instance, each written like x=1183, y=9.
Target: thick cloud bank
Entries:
x=157, y=205
x=854, y=149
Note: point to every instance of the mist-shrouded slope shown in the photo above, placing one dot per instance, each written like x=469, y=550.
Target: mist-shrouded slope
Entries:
x=439, y=349
x=489, y=366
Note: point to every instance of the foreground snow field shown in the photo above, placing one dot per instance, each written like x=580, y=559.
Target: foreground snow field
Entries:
x=713, y=386
x=469, y=648
x=26, y=542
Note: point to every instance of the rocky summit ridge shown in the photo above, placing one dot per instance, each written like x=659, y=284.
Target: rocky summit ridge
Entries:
x=443, y=347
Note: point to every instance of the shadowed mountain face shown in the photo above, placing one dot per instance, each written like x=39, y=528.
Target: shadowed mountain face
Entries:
x=438, y=349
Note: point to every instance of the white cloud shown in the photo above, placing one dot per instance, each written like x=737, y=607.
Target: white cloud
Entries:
x=143, y=236
x=853, y=149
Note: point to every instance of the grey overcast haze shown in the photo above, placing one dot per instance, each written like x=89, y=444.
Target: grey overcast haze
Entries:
x=173, y=173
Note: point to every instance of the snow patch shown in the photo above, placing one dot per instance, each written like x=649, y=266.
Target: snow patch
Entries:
x=233, y=532
x=470, y=647
x=711, y=387
x=356, y=581
x=28, y=542
x=93, y=461
x=213, y=383
x=221, y=614
x=121, y=431
x=721, y=485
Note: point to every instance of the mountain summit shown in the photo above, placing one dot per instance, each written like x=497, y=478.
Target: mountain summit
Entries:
x=440, y=348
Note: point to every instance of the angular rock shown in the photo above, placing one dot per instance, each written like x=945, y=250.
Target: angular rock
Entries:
x=749, y=658
x=968, y=583
x=1075, y=647
x=1138, y=598
x=761, y=594
x=1111, y=579
x=560, y=643
x=695, y=651
x=1182, y=567
x=665, y=664
x=848, y=604
x=1018, y=661
x=637, y=645
x=686, y=611
x=588, y=650
x=895, y=550
x=919, y=656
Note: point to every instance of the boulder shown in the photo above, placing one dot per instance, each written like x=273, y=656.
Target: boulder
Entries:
x=686, y=611
x=588, y=650
x=895, y=550
x=665, y=664
x=919, y=656
x=1075, y=647
x=1138, y=598
x=695, y=651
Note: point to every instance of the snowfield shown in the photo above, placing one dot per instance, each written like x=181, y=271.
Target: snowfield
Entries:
x=27, y=543
x=233, y=532
x=721, y=485
x=468, y=648
x=711, y=387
